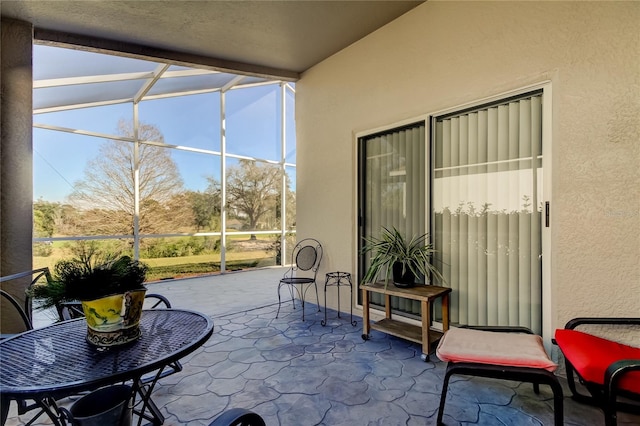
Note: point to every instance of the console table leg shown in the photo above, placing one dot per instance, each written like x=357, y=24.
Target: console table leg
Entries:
x=426, y=324
x=445, y=312
x=387, y=306
x=365, y=315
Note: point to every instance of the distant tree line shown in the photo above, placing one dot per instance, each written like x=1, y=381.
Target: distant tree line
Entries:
x=103, y=202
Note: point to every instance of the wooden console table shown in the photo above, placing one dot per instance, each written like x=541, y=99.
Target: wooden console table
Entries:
x=426, y=294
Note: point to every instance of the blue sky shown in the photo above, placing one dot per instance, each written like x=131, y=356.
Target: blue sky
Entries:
x=252, y=129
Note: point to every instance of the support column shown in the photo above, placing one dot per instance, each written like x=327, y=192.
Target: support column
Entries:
x=16, y=148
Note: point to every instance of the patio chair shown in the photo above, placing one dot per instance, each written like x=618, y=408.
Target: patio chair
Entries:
x=507, y=353
x=18, y=309
x=238, y=417
x=158, y=301
x=610, y=371
x=25, y=315
x=23, y=311
x=70, y=310
x=305, y=261
x=73, y=310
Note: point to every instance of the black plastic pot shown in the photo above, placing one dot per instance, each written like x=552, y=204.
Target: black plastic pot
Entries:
x=108, y=406
x=406, y=280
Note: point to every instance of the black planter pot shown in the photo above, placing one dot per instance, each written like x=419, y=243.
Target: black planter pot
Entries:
x=406, y=280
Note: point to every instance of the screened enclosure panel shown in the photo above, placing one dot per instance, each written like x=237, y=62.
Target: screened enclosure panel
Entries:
x=135, y=150
x=186, y=121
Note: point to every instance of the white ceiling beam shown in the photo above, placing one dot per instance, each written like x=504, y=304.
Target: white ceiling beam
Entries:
x=157, y=73
x=106, y=78
x=232, y=83
x=188, y=73
x=110, y=78
x=83, y=132
x=79, y=106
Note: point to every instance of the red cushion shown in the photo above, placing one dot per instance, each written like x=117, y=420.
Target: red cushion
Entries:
x=591, y=355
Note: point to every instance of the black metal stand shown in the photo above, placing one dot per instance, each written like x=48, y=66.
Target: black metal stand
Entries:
x=338, y=279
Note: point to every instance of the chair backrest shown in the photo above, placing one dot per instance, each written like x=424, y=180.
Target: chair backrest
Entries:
x=155, y=301
x=238, y=417
x=70, y=310
x=73, y=310
x=14, y=286
x=306, y=255
x=18, y=309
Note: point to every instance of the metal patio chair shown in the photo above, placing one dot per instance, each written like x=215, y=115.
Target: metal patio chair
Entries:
x=305, y=262
x=25, y=310
x=238, y=417
x=610, y=371
x=18, y=309
x=158, y=301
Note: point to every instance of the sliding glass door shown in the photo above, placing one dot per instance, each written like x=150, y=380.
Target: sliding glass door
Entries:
x=392, y=190
x=477, y=188
x=487, y=204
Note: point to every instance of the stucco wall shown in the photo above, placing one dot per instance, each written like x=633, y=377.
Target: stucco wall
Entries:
x=444, y=54
x=16, y=177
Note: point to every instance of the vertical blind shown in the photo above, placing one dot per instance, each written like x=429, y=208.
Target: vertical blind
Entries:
x=487, y=182
x=394, y=190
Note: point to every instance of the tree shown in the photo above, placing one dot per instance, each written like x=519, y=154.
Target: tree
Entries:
x=206, y=206
x=252, y=190
x=108, y=184
x=45, y=214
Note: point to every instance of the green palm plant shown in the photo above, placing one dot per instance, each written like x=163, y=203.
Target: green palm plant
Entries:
x=90, y=276
x=392, y=248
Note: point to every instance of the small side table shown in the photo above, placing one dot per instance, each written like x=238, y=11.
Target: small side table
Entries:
x=338, y=279
x=426, y=295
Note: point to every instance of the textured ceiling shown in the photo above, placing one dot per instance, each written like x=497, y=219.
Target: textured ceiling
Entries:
x=281, y=35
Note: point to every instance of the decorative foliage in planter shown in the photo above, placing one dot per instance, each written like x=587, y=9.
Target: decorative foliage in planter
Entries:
x=111, y=290
x=408, y=258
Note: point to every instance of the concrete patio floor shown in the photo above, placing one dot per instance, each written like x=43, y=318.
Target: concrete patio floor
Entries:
x=301, y=373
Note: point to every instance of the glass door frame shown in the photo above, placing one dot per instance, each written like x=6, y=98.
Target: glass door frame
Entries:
x=548, y=310
x=547, y=216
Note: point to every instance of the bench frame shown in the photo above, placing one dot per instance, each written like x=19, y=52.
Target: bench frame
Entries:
x=536, y=376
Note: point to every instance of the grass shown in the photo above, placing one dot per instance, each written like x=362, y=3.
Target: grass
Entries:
x=185, y=266
x=194, y=269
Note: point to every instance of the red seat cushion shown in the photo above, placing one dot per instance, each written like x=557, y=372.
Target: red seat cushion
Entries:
x=591, y=355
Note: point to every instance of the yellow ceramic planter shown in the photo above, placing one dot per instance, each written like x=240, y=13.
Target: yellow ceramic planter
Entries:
x=114, y=320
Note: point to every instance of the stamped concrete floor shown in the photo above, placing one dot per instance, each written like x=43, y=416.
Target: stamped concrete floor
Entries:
x=301, y=373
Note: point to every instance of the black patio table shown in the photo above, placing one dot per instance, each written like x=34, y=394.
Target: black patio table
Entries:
x=53, y=362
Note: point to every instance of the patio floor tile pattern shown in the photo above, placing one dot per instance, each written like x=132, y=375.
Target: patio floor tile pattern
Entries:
x=301, y=373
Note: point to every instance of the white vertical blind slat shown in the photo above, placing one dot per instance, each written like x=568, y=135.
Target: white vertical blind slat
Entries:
x=525, y=153
x=513, y=183
x=502, y=131
x=483, y=192
x=473, y=186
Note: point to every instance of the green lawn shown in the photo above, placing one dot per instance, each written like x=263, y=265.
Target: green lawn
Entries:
x=185, y=266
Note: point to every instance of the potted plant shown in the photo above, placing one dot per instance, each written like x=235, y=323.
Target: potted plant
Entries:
x=110, y=289
x=395, y=256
